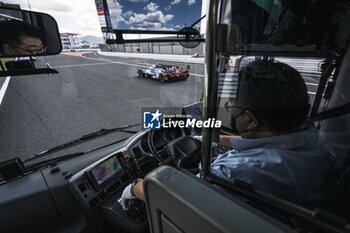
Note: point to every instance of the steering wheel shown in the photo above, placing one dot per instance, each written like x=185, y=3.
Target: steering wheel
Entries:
x=158, y=152
x=181, y=152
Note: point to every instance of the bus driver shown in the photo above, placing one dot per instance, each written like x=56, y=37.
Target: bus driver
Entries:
x=279, y=151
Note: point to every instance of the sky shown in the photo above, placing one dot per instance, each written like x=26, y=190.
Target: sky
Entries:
x=154, y=14
x=77, y=16
x=80, y=16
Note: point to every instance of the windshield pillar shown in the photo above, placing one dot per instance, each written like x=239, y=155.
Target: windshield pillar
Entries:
x=210, y=85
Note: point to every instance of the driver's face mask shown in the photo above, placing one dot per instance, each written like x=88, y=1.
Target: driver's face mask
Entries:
x=233, y=124
x=232, y=109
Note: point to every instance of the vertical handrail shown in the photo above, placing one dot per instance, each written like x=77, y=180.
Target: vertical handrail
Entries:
x=210, y=85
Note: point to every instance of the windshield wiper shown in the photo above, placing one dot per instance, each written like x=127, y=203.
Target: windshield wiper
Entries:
x=82, y=139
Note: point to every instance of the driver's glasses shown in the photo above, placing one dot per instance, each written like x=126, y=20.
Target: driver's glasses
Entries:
x=232, y=107
x=32, y=51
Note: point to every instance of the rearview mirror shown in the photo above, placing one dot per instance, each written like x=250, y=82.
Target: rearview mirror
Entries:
x=27, y=33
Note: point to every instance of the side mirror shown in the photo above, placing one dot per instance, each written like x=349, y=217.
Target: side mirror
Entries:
x=27, y=33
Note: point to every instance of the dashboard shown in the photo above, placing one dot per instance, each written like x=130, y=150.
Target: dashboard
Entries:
x=102, y=178
x=132, y=160
x=99, y=185
x=83, y=193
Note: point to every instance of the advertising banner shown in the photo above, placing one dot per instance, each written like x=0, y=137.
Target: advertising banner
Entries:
x=103, y=15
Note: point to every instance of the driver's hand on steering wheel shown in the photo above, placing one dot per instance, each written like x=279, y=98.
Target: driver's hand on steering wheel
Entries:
x=225, y=141
x=200, y=138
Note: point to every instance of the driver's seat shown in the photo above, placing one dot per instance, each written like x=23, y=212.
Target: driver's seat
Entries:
x=178, y=202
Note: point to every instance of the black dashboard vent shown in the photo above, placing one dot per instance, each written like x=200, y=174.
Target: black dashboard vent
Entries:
x=137, y=152
x=102, y=195
x=113, y=187
x=94, y=202
x=82, y=187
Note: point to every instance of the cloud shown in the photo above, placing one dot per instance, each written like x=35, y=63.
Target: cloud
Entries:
x=115, y=12
x=150, y=27
x=151, y=7
x=147, y=25
x=127, y=14
x=167, y=8
x=151, y=21
x=174, y=2
x=138, y=0
x=166, y=29
x=70, y=15
x=191, y=2
x=152, y=17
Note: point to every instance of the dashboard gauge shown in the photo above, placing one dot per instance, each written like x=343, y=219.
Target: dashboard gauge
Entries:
x=144, y=144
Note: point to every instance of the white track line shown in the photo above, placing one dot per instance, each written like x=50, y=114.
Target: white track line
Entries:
x=198, y=75
x=4, y=88
x=312, y=84
x=86, y=64
x=110, y=62
x=129, y=64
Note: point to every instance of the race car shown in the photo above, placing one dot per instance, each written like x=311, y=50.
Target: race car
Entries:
x=163, y=72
